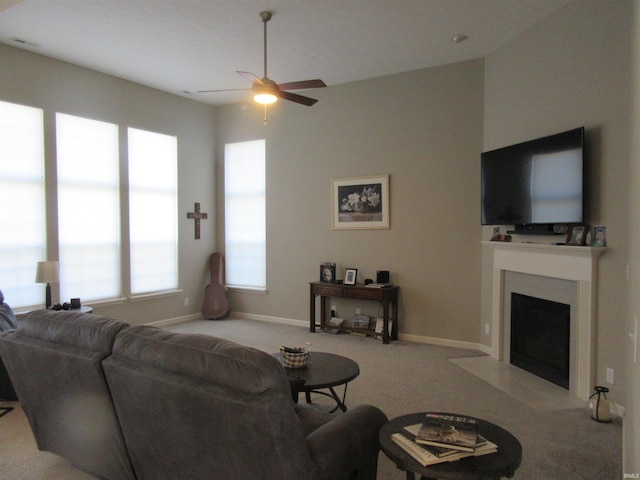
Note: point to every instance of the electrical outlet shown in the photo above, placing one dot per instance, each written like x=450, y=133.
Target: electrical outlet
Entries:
x=486, y=329
x=186, y=301
x=358, y=311
x=610, y=378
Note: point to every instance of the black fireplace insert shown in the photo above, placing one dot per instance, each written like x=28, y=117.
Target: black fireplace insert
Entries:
x=540, y=337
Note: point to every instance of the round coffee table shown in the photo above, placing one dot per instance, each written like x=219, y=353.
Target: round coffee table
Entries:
x=497, y=465
x=323, y=371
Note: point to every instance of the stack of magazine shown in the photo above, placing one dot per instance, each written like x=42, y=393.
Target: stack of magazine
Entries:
x=443, y=438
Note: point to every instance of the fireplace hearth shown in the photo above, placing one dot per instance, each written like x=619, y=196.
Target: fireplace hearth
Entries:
x=540, y=337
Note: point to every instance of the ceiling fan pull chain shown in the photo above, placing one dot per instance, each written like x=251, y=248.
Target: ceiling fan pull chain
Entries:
x=265, y=115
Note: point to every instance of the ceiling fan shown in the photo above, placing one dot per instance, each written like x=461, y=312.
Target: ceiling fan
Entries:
x=267, y=91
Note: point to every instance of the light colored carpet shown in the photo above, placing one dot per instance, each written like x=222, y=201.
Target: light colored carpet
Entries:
x=399, y=378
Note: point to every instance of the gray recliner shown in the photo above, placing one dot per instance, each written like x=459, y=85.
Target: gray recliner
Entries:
x=199, y=407
x=55, y=363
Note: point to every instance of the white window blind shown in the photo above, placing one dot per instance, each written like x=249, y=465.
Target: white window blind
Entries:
x=22, y=203
x=88, y=208
x=153, y=211
x=245, y=214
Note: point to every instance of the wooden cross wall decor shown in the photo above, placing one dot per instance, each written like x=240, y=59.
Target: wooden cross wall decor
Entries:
x=197, y=216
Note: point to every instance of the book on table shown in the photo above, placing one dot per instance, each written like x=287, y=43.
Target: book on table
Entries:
x=455, y=432
x=483, y=446
x=425, y=454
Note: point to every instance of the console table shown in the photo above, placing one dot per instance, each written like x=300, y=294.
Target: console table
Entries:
x=386, y=296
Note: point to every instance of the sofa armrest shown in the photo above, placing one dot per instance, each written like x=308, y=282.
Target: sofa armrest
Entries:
x=349, y=442
x=311, y=418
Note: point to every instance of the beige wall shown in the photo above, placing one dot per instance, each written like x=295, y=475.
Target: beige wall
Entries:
x=55, y=86
x=631, y=426
x=571, y=70
x=424, y=129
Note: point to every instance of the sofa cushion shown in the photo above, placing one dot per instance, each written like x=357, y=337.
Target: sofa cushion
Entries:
x=203, y=357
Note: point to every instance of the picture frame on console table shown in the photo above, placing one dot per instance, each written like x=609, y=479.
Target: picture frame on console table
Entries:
x=350, y=276
x=328, y=272
x=577, y=235
x=360, y=203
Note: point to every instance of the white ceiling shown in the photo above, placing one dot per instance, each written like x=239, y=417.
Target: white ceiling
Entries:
x=189, y=45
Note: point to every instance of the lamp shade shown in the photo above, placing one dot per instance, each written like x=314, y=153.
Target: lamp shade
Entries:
x=47, y=272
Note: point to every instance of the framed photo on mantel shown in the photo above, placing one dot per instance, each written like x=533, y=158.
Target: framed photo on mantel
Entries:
x=360, y=203
x=577, y=235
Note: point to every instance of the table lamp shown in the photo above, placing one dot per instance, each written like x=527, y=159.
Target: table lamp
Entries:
x=47, y=272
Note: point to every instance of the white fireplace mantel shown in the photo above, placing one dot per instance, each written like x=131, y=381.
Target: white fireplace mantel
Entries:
x=577, y=264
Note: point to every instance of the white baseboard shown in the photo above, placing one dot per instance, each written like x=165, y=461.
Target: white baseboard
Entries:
x=173, y=321
x=444, y=342
x=305, y=324
x=401, y=336
x=267, y=318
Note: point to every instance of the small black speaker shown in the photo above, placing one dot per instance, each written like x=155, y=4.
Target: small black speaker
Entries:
x=382, y=276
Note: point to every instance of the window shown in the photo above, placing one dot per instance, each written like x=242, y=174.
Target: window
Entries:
x=153, y=211
x=22, y=203
x=245, y=214
x=88, y=208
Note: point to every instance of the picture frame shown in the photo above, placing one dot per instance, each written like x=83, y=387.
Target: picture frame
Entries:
x=577, y=235
x=360, y=203
x=328, y=272
x=599, y=236
x=350, y=276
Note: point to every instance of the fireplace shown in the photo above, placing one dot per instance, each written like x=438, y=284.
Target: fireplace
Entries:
x=577, y=265
x=540, y=337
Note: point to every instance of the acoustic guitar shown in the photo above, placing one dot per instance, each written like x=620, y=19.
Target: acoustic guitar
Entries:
x=216, y=296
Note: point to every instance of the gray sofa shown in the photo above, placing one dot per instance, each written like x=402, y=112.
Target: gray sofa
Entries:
x=8, y=321
x=125, y=402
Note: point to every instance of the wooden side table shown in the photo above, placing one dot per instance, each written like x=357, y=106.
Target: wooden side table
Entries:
x=493, y=466
x=387, y=296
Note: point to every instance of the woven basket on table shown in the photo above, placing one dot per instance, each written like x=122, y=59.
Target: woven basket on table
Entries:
x=294, y=357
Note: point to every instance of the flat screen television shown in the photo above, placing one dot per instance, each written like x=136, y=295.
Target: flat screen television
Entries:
x=536, y=184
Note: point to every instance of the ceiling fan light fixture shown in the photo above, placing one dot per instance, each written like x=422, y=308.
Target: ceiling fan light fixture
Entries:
x=265, y=98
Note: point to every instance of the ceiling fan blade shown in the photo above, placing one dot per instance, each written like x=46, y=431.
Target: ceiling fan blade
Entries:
x=317, y=83
x=224, y=90
x=293, y=97
x=251, y=77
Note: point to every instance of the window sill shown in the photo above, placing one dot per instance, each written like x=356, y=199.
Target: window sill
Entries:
x=153, y=296
x=258, y=290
